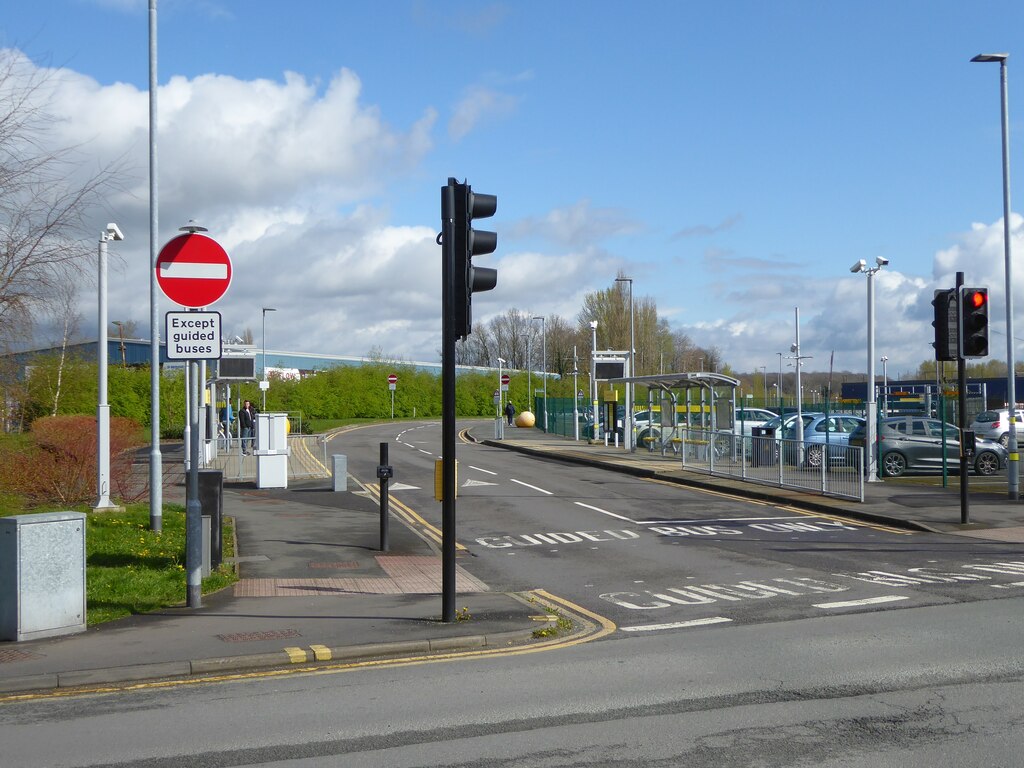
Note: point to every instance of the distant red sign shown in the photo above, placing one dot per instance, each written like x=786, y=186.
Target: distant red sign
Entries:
x=193, y=270
x=505, y=379
x=392, y=379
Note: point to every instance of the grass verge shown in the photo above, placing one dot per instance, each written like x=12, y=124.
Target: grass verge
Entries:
x=131, y=569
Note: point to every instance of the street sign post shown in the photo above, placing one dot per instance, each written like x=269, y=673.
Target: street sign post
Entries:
x=193, y=270
x=505, y=379
x=392, y=384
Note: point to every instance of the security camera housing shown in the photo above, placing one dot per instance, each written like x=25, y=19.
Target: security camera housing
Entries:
x=114, y=232
x=859, y=266
x=881, y=261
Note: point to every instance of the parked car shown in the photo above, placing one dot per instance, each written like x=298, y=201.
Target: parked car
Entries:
x=915, y=443
x=995, y=425
x=834, y=431
x=748, y=418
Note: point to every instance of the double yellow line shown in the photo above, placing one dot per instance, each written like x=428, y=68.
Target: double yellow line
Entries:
x=409, y=515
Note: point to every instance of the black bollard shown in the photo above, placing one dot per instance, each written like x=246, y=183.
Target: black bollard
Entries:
x=384, y=473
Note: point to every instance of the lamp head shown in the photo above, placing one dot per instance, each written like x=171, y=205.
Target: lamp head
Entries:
x=859, y=266
x=113, y=232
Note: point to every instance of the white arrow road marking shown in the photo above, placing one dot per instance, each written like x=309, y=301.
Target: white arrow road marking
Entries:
x=676, y=624
x=865, y=601
x=533, y=487
x=193, y=270
x=471, y=483
x=603, y=511
x=403, y=487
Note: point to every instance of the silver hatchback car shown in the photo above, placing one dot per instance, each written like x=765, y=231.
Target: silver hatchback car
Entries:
x=995, y=425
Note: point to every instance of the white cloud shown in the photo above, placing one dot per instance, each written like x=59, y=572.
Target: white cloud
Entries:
x=479, y=104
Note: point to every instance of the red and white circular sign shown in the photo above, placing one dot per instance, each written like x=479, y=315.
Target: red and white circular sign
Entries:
x=392, y=379
x=505, y=379
x=193, y=270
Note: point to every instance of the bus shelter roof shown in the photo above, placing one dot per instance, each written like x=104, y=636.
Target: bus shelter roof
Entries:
x=668, y=381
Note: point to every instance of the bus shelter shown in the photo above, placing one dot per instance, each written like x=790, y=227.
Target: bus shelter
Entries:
x=686, y=411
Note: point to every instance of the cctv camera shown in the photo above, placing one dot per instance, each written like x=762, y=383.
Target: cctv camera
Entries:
x=593, y=324
x=881, y=261
x=859, y=266
x=114, y=232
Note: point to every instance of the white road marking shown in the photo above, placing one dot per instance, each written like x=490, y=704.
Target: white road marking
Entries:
x=676, y=624
x=534, y=487
x=194, y=270
x=403, y=487
x=479, y=469
x=470, y=483
x=865, y=601
x=603, y=511
x=719, y=520
x=1007, y=586
x=426, y=452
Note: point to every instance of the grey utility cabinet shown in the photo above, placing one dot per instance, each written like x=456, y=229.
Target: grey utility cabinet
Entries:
x=42, y=575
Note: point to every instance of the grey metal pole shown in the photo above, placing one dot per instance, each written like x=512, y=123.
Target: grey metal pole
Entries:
x=575, y=396
x=799, y=390
x=871, y=455
x=544, y=341
x=631, y=389
x=156, y=471
x=102, y=408
x=1013, y=466
x=595, y=432
x=193, y=510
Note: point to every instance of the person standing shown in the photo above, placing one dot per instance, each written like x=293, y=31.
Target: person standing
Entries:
x=247, y=421
x=510, y=411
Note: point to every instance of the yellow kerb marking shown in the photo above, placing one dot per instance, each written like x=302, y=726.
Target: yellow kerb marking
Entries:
x=320, y=652
x=296, y=655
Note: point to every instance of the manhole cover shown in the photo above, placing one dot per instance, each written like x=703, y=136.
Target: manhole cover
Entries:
x=248, y=637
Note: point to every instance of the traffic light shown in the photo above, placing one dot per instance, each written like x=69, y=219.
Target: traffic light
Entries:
x=974, y=322
x=945, y=323
x=468, y=243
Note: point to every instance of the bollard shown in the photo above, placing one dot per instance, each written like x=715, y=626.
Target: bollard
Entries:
x=384, y=473
x=339, y=472
x=211, y=501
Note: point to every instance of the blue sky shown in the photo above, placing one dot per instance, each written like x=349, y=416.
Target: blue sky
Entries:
x=734, y=158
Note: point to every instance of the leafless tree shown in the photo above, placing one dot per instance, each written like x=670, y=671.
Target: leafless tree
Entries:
x=45, y=194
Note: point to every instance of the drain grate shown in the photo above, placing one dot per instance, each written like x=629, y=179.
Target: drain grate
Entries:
x=248, y=637
x=343, y=564
x=9, y=654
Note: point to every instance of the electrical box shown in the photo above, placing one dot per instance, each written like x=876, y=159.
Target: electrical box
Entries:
x=271, y=450
x=42, y=575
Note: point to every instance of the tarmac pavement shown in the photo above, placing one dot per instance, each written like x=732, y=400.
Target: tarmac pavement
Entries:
x=315, y=586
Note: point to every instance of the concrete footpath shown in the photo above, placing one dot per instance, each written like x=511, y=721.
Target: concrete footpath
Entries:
x=314, y=586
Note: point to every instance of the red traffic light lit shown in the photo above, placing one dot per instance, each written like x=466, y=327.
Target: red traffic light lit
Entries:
x=977, y=299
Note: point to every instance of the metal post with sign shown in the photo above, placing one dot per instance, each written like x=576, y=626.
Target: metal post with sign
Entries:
x=392, y=383
x=193, y=271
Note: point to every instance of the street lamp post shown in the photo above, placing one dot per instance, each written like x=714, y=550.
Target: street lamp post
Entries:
x=1012, y=479
x=544, y=366
x=885, y=387
x=265, y=385
x=594, y=432
x=764, y=382
x=779, y=393
x=112, y=232
x=871, y=411
x=120, y=337
x=630, y=392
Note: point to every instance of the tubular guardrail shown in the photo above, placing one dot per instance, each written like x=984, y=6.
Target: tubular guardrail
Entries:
x=307, y=458
x=774, y=461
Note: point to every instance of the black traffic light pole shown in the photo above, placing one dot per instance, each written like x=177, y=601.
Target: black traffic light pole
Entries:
x=961, y=385
x=448, y=402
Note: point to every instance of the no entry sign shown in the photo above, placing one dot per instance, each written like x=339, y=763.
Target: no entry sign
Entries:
x=392, y=379
x=193, y=270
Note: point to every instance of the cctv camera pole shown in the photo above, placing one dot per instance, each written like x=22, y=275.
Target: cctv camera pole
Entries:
x=961, y=418
x=102, y=408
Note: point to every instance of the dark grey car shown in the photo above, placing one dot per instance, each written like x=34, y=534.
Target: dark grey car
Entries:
x=915, y=443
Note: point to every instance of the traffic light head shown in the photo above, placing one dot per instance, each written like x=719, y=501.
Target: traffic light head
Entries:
x=469, y=242
x=945, y=323
x=974, y=322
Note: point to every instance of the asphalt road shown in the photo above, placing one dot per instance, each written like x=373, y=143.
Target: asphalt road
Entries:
x=934, y=686
x=655, y=556
x=746, y=635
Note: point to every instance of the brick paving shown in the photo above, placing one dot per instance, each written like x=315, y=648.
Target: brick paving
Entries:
x=406, y=574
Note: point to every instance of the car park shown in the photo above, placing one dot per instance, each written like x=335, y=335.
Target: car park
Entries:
x=830, y=432
x=748, y=418
x=907, y=443
x=995, y=425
